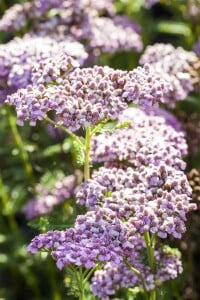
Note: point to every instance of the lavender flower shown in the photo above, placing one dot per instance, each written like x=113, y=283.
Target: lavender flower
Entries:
x=98, y=34
x=109, y=35
x=144, y=87
x=95, y=238
x=196, y=47
x=80, y=19
x=45, y=201
x=107, y=281
x=19, y=55
x=86, y=96
x=170, y=119
x=53, y=70
x=147, y=140
x=15, y=17
x=153, y=198
x=175, y=66
x=18, y=15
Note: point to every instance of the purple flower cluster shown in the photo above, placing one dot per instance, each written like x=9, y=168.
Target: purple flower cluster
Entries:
x=153, y=198
x=53, y=70
x=15, y=17
x=111, y=278
x=45, y=200
x=150, y=191
x=95, y=238
x=85, y=96
x=145, y=87
x=81, y=19
x=18, y=15
x=109, y=35
x=173, y=65
x=147, y=140
x=170, y=119
x=19, y=55
x=196, y=47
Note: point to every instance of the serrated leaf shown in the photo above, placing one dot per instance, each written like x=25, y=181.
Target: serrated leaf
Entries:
x=40, y=223
x=78, y=151
x=51, y=150
x=49, y=223
x=122, y=125
x=112, y=126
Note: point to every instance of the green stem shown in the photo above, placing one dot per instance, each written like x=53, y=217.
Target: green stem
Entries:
x=73, y=136
x=87, y=153
x=87, y=275
x=138, y=273
x=10, y=216
x=150, y=244
x=81, y=286
x=150, y=251
x=23, y=153
x=80, y=278
x=152, y=295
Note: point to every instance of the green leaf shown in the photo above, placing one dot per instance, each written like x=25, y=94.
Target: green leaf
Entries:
x=112, y=126
x=3, y=238
x=177, y=28
x=46, y=223
x=122, y=125
x=4, y=258
x=78, y=152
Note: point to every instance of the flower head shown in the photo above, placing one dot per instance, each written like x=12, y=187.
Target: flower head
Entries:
x=107, y=281
x=175, y=66
x=45, y=201
x=95, y=238
x=84, y=97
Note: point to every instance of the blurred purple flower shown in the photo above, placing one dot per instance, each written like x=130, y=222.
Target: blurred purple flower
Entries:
x=45, y=200
x=174, y=65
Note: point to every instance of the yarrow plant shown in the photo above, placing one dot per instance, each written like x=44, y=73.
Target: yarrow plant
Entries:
x=131, y=192
x=148, y=196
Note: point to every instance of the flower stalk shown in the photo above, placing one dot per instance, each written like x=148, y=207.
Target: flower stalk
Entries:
x=150, y=244
x=19, y=143
x=71, y=134
x=87, y=153
x=138, y=273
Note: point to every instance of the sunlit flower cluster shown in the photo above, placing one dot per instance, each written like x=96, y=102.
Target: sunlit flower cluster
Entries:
x=85, y=96
x=18, y=57
x=107, y=281
x=175, y=66
x=81, y=20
